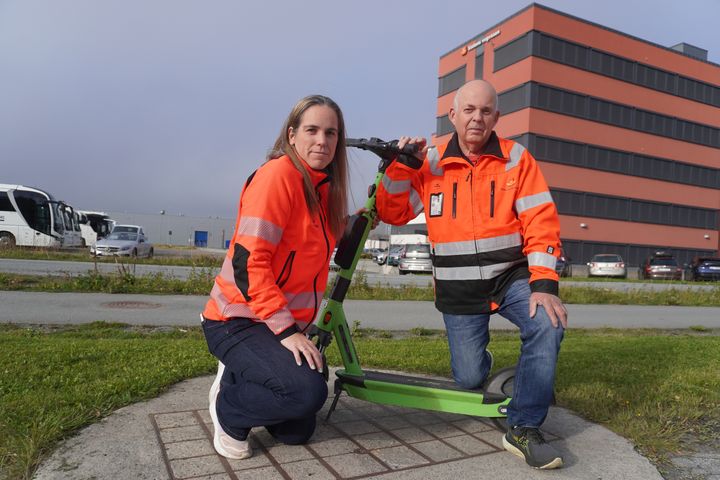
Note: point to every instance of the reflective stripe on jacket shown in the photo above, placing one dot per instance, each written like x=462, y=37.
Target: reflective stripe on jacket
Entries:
x=489, y=224
x=277, y=266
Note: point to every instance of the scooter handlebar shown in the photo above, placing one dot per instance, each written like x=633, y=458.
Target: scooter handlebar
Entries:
x=381, y=148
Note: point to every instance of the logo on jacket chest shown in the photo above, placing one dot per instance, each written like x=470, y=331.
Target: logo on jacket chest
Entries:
x=510, y=184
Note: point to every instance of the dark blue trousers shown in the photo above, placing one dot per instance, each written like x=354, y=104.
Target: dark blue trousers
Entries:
x=262, y=385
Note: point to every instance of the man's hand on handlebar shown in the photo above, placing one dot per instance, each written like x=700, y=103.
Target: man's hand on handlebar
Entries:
x=414, y=161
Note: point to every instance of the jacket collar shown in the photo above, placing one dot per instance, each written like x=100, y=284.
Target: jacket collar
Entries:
x=318, y=177
x=492, y=147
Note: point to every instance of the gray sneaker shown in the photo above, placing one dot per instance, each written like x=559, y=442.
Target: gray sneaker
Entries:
x=528, y=443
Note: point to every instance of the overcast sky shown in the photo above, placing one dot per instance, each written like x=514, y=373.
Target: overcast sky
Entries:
x=141, y=106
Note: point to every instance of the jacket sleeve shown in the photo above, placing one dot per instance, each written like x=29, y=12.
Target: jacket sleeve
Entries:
x=540, y=226
x=265, y=209
x=399, y=198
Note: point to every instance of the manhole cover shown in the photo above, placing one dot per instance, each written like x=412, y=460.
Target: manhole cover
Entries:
x=131, y=305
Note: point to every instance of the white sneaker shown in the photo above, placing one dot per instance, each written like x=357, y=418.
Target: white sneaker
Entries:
x=224, y=444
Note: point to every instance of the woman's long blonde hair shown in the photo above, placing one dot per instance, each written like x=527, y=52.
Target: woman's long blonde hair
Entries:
x=337, y=170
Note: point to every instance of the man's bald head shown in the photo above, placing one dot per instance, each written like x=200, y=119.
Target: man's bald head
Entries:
x=482, y=85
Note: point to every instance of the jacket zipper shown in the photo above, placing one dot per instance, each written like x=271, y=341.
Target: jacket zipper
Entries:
x=454, y=200
x=492, y=198
x=288, y=264
x=327, y=256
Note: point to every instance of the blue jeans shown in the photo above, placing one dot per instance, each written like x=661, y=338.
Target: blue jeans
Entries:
x=468, y=336
x=262, y=385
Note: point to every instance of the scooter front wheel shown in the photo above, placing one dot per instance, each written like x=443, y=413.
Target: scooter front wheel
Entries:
x=501, y=384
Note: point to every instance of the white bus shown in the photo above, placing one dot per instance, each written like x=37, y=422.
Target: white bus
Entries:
x=29, y=217
x=94, y=226
x=73, y=234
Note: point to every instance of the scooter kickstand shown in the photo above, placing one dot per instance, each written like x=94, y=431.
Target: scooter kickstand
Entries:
x=337, y=390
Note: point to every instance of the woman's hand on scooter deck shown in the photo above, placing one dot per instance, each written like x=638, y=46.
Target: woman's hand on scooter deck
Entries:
x=299, y=345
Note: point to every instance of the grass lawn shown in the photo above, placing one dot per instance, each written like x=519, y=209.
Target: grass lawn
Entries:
x=650, y=386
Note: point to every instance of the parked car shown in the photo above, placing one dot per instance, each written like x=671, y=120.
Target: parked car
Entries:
x=607, y=265
x=124, y=240
x=381, y=256
x=661, y=265
x=562, y=266
x=705, y=268
x=393, y=257
x=415, y=258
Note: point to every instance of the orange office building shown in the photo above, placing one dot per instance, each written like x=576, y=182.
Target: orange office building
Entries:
x=627, y=132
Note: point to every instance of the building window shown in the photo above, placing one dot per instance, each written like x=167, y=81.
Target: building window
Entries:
x=583, y=57
x=479, y=64
x=556, y=100
x=444, y=126
x=584, y=204
x=626, y=163
x=451, y=82
x=513, y=51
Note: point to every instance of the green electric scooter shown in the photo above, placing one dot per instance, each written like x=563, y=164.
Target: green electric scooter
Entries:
x=386, y=388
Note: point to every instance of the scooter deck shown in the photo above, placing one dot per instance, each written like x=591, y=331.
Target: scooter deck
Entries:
x=418, y=392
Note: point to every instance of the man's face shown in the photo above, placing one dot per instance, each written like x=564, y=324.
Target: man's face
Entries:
x=475, y=117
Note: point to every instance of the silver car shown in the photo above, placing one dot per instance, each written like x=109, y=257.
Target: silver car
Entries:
x=125, y=240
x=415, y=258
x=607, y=265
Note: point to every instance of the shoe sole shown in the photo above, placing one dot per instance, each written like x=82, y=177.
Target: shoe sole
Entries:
x=212, y=398
x=556, y=463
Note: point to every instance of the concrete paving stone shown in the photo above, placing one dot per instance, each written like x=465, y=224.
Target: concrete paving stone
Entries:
x=374, y=440
x=179, y=434
x=355, y=465
x=438, y=451
x=263, y=473
x=180, y=419
x=373, y=411
x=393, y=422
x=205, y=415
x=289, y=453
x=469, y=445
x=194, y=467
x=420, y=417
x=219, y=476
x=493, y=437
x=335, y=446
x=190, y=448
x=443, y=430
x=259, y=459
x=400, y=457
x=345, y=415
x=412, y=435
x=357, y=427
x=325, y=431
x=261, y=435
x=472, y=425
x=307, y=469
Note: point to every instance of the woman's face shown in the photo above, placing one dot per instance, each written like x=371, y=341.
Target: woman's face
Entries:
x=315, y=139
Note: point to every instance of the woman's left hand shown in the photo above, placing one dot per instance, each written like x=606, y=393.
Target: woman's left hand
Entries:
x=376, y=220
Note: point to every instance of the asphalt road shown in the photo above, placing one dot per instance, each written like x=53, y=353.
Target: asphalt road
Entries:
x=178, y=310
x=374, y=274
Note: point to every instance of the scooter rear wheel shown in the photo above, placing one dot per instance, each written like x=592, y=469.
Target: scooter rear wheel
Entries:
x=501, y=384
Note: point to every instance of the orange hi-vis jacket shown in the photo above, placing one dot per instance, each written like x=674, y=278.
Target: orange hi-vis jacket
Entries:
x=277, y=266
x=489, y=223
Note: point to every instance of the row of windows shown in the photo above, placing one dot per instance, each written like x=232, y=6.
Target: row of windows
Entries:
x=553, y=99
x=583, y=204
x=452, y=81
x=616, y=161
x=542, y=45
x=633, y=255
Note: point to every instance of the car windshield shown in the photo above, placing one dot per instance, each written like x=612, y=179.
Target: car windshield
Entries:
x=606, y=258
x=419, y=248
x=663, y=261
x=711, y=263
x=123, y=236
